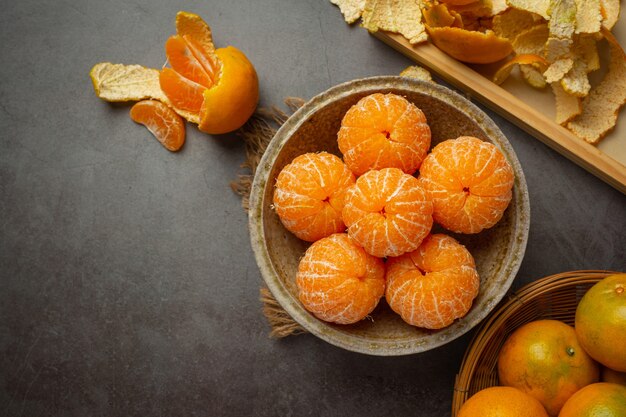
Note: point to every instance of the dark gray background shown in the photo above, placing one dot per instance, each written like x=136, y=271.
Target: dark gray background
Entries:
x=128, y=285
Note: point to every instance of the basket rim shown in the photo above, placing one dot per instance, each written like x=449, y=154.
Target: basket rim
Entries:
x=507, y=307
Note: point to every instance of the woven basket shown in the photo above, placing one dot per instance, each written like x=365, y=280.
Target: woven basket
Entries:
x=554, y=297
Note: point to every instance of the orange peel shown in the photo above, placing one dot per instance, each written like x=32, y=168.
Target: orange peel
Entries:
x=505, y=70
x=438, y=15
x=603, y=103
x=567, y=105
x=417, y=72
x=350, y=9
x=232, y=100
x=459, y=2
x=470, y=46
x=610, y=13
x=398, y=16
x=119, y=82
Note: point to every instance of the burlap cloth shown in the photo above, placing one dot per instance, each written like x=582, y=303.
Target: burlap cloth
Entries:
x=257, y=134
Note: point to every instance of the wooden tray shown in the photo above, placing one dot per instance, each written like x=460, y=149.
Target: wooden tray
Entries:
x=511, y=100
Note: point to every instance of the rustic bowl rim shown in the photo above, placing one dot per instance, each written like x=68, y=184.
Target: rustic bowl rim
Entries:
x=284, y=133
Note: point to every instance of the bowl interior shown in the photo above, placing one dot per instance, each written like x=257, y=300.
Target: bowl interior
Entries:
x=497, y=251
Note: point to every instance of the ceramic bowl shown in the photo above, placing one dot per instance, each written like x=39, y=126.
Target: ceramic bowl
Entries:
x=498, y=251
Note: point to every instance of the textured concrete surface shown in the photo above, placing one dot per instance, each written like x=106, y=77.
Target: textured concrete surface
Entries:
x=127, y=281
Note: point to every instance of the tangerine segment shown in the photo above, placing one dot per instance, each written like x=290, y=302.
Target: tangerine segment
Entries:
x=232, y=100
x=183, y=61
x=387, y=212
x=338, y=281
x=161, y=121
x=433, y=285
x=310, y=193
x=470, y=183
x=181, y=92
x=384, y=131
x=198, y=37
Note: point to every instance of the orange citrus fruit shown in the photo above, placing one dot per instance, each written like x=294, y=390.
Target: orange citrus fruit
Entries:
x=232, y=100
x=338, y=281
x=182, y=92
x=384, y=131
x=182, y=60
x=544, y=359
x=161, y=121
x=610, y=375
x=602, y=399
x=601, y=322
x=309, y=195
x=387, y=212
x=219, y=85
x=501, y=402
x=470, y=183
x=433, y=285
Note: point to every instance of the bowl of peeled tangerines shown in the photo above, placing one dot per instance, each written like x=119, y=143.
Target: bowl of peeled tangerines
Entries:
x=389, y=215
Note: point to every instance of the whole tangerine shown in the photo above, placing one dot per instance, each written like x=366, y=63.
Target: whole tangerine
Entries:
x=544, y=359
x=501, y=402
x=602, y=399
x=601, y=322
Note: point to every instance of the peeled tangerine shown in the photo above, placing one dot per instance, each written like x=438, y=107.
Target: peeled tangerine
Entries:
x=387, y=212
x=309, y=195
x=384, y=131
x=219, y=87
x=433, y=285
x=338, y=282
x=470, y=183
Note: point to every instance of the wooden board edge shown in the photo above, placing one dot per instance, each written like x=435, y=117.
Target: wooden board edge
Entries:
x=513, y=109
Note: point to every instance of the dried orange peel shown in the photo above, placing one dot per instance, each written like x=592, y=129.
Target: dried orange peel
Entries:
x=119, y=82
x=601, y=107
